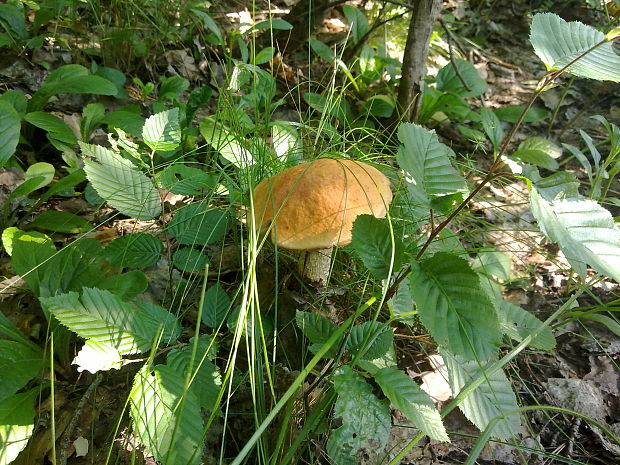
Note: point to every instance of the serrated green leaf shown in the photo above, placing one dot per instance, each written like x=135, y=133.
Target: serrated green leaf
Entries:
x=454, y=307
x=59, y=221
x=185, y=180
x=97, y=356
x=449, y=81
x=16, y=424
x=162, y=132
x=103, y=317
x=10, y=127
x=120, y=183
x=372, y=241
x=318, y=330
x=426, y=164
x=167, y=422
x=18, y=364
x=584, y=230
x=491, y=399
x=378, y=338
x=402, y=305
x=198, y=224
x=517, y=323
x=557, y=43
x=204, y=376
x=135, y=250
x=366, y=421
x=412, y=401
x=127, y=286
x=189, y=259
x=216, y=305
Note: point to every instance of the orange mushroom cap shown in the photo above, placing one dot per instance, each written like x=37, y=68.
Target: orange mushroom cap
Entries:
x=313, y=205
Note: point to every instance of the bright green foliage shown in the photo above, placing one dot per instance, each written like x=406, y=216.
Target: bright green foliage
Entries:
x=18, y=364
x=10, y=126
x=517, y=323
x=227, y=143
x=493, y=398
x=98, y=356
x=60, y=221
x=204, y=376
x=189, y=259
x=162, y=132
x=454, y=307
x=584, y=230
x=216, y=306
x=31, y=255
x=412, y=401
x=185, y=180
x=366, y=421
x=318, y=330
x=370, y=340
x=449, y=81
x=557, y=43
x=198, y=224
x=120, y=183
x=16, y=423
x=167, y=422
x=127, y=286
x=136, y=250
x=92, y=116
x=129, y=327
x=538, y=151
x=426, y=165
x=373, y=243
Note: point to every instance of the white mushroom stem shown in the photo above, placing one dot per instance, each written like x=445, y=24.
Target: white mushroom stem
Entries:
x=314, y=265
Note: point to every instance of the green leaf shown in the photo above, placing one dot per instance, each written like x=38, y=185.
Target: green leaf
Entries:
x=286, y=141
x=127, y=286
x=372, y=241
x=38, y=175
x=426, y=164
x=103, y=317
x=55, y=126
x=335, y=106
x=377, y=336
x=511, y=113
x=492, y=127
x=189, y=259
x=16, y=99
x=517, y=323
x=449, y=81
x=162, y=132
x=584, y=230
x=97, y=356
x=454, y=307
x=216, y=306
x=13, y=22
x=318, y=330
x=135, y=250
x=18, y=364
x=7, y=328
x=381, y=106
x=209, y=23
x=198, y=224
x=357, y=21
x=171, y=87
x=29, y=251
x=166, y=419
x=557, y=43
x=323, y=50
x=120, y=183
x=402, y=305
x=493, y=398
x=128, y=121
x=16, y=423
x=275, y=24
x=264, y=55
x=197, y=98
x=206, y=381
x=10, y=127
x=185, y=180
x=412, y=401
x=366, y=421
x=92, y=115
x=539, y=151
x=59, y=221
x=493, y=264
x=227, y=143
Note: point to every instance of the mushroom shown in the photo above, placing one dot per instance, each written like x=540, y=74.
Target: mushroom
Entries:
x=312, y=206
